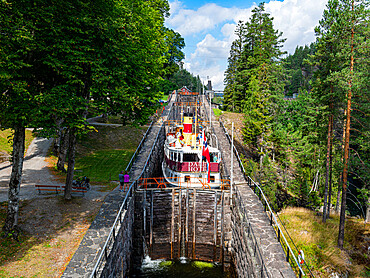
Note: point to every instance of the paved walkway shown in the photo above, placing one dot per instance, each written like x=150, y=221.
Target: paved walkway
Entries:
x=35, y=171
x=272, y=251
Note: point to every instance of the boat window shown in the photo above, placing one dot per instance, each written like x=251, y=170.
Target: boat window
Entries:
x=212, y=178
x=214, y=157
x=189, y=157
x=187, y=178
x=171, y=154
x=175, y=157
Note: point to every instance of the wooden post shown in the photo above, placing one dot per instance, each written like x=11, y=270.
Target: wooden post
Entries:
x=151, y=219
x=232, y=164
x=172, y=221
x=144, y=212
x=222, y=229
x=194, y=220
x=187, y=223
x=215, y=228
x=179, y=224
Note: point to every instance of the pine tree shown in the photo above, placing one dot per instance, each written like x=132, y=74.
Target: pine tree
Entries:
x=341, y=37
x=326, y=93
x=261, y=55
x=232, y=96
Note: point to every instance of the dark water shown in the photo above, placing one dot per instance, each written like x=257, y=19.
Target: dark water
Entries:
x=180, y=268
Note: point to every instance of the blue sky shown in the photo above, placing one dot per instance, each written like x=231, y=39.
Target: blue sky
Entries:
x=208, y=29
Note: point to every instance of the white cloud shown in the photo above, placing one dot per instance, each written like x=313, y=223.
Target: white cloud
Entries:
x=228, y=31
x=295, y=18
x=208, y=59
x=188, y=22
x=175, y=6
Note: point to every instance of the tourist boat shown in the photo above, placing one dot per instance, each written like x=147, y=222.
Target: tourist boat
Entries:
x=189, y=161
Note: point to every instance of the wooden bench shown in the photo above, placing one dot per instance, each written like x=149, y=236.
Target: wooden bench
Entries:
x=59, y=188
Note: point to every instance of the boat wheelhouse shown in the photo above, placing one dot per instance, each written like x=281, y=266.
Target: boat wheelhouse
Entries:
x=188, y=160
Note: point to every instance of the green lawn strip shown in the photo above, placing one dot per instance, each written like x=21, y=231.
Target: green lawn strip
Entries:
x=103, y=165
x=217, y=112
x=103, y=154
x=110, y=137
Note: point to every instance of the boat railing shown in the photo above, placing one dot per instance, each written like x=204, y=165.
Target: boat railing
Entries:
x=191, y=182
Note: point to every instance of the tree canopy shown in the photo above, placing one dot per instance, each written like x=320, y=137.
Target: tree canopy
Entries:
x=60, y=60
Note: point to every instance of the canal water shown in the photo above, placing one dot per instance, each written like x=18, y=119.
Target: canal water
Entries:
x=180, y=268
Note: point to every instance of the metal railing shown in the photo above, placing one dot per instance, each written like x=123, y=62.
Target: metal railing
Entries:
x=290, y=256
x=138, y=149
x=248, y=231
x=109, y=243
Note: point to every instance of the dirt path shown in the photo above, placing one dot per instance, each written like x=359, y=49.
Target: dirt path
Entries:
x=35, y=171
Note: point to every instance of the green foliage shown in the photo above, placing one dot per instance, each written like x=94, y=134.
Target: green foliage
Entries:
x=174, y=55
x=253, y=79
x=185, y=78
x=299, y=72
x=217, y=112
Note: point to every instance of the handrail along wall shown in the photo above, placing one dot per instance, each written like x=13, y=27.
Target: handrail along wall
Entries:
x=290, y=256
x=109, y=243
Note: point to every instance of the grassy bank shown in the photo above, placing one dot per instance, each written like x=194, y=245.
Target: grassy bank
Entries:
x=319, y=242
x=53, y=228
x=6, y=140
x=102, y=154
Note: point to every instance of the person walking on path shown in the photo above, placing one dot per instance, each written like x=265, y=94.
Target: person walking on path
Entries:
x=126, y=179
x=121, y=180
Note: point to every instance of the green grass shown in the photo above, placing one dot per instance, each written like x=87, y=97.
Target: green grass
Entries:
x=6, y=140
x=104, y=165
x=217, y=112
x=102, y=155
x=319, y=242
x=5, y=144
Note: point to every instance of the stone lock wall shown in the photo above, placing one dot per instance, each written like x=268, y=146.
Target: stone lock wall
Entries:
x=119, y=260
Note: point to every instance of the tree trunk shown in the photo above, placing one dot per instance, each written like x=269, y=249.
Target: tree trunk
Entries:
x=338, y=195
x=346, y=149
x=368, y=210
x=327, y=173
x=331, y=166
x=11, y=221
x=71, y=163
x=63, y=147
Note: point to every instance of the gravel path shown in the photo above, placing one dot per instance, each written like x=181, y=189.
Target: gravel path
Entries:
x=35, y=171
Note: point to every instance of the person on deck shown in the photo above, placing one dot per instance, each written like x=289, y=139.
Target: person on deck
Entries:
x=121, y=178
x=126, y=178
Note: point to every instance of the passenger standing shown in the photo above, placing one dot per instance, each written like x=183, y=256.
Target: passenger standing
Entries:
x=126, y=178
x=121, y=180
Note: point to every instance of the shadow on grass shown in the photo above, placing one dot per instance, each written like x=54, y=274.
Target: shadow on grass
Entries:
x=51, y=231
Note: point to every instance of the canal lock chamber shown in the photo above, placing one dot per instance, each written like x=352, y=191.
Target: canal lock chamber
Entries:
x=181, y=232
